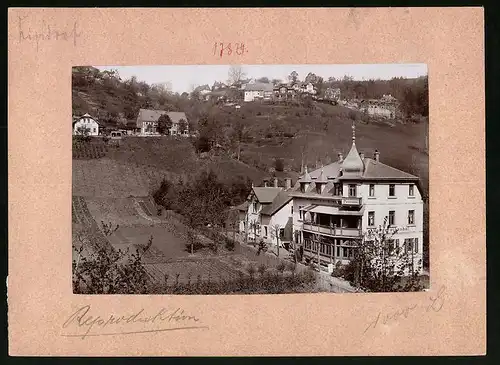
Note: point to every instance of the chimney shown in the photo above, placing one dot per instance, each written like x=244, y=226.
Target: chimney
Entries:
x=362, y=155
x=288, y=183
x=275, y=182
x=377, y=155
x=341, y=157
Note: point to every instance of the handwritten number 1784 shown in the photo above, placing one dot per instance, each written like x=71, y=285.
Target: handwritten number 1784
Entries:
x=221, y=49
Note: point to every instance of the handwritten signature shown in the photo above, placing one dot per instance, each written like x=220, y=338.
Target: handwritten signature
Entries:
x=435, y=304
x=46, y=33
x=81, y=319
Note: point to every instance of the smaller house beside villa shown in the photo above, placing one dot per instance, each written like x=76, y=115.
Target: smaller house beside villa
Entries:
x=147, y=122
x=86, y=123
x=267, y=214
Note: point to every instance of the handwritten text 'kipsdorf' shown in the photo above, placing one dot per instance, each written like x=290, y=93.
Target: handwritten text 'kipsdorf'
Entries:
x=46, y=33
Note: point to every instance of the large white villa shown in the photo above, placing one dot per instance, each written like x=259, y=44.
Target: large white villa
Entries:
x=341, y=201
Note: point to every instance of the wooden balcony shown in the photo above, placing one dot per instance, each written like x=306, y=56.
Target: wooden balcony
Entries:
x=332, y=231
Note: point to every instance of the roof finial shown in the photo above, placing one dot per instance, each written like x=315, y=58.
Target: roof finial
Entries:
x=353, y=133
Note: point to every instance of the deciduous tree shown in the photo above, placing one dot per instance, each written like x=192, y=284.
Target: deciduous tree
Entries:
x=164, y=124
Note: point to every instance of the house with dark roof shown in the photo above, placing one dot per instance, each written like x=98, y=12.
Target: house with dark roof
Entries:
x=336, y=205
x=147, y=122
x=267, y=214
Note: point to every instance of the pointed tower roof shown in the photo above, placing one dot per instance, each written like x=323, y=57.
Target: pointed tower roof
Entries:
x=352, y=164
x=321, y=178
x=306, y=177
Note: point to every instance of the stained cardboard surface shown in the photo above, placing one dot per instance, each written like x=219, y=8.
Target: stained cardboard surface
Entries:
x=40, y=299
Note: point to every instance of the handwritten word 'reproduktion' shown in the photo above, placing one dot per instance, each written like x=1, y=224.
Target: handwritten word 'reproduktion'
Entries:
x=46, y=33
x=86, y=324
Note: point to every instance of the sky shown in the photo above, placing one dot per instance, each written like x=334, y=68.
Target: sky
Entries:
x=181, y=77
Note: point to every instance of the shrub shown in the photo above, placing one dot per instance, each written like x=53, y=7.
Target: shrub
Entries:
x=230, y=244
x=279, y=164
x=281, y=267
x=262, y=269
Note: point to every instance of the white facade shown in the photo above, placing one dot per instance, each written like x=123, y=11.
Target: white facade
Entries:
x=260, y=225
x=338, y=204
x=251, y=95
x=150, y=129
x=86, y=122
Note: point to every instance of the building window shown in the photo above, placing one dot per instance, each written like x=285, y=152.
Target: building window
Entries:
x=265, y=231
x=372, y=190
x=415, y=245
x=392, y=190
x=291, y=209
x=411, y=217
x=255, y=207
x=392, y=214
x=94, y=130
x=371, y=218
x=301, y=212
x=337, y=189
x=338, y=251
x=352, y=190
x=411, y=191
x=282, y=232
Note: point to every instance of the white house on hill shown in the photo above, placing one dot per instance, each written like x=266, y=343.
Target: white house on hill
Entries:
x=335, y=205
x=267, y=214
x=258, y=90
x=147, y=122
x=86, y=123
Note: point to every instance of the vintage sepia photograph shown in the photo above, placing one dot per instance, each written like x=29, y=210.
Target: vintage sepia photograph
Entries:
x=250, y=179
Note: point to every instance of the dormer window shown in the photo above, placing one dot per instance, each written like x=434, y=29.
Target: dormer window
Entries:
x=318, y=188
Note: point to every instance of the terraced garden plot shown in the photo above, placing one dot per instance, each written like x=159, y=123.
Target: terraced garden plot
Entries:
x=192, y=270
x=105, y=178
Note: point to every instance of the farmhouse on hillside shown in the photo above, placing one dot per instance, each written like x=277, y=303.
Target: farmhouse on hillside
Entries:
x=386, y=107
x=147, y=122
x=258, y=91
x=267, y=214
x=86, y=125
x=335, y=205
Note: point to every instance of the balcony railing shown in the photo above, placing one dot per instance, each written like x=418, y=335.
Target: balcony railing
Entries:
x=332, y=231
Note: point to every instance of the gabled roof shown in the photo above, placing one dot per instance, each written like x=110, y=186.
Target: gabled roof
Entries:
x=266, y=194
x=243, y=206
x=86, y=115
x=258, y=86
x=279, y=201
x=151, y=115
